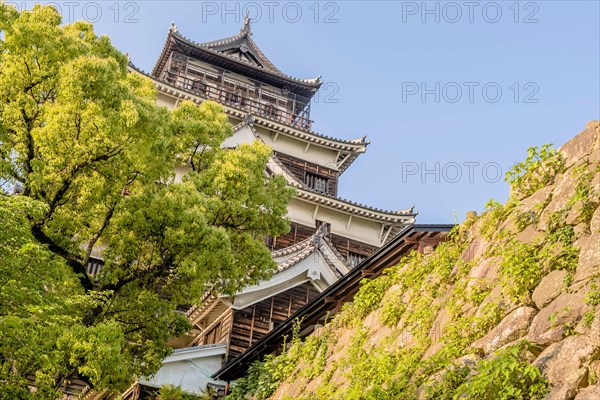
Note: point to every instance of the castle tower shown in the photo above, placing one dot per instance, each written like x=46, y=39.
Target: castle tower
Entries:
x=329, y=235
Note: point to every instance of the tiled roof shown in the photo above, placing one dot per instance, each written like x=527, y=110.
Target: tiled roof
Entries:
x=245, y=34
x=194, y=312
x=342, y=290
x=345, y=205
x=305, y=248
x=292, y=249
x=354, y=207
x=296, y=258
x=355, y=146
x=304, y=191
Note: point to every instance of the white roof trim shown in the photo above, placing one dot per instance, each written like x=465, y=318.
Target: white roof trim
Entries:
x=313, y=268
x=243, y=134
x=190, y=353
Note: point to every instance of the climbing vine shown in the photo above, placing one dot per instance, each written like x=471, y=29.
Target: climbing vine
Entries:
x=428, y=312
x=538, y=170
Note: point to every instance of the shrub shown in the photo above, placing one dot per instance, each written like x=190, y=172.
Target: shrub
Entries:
x=593, y=296
x=370, y=294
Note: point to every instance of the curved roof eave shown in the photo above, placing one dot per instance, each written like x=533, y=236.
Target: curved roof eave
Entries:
x=401, y=216
x=405, y=216
x=244, y=34
x=174, y=35
x=357, y=146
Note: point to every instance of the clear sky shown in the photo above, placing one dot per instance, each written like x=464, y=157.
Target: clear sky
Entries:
x=450, y=94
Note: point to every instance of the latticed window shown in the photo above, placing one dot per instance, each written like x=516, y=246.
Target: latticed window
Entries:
x=354, y=259
x=94, y=265
x=316, y=182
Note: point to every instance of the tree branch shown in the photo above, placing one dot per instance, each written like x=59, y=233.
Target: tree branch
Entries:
x=97, y=235
x=66, y=183
x=30, y=148
x=76, y=265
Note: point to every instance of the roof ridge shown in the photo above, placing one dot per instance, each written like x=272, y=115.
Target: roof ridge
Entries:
x=230, y=39
x=337, y=254
x=362, y=140
x=238, y=126
x=245, y=33
x=287, y=263
x=292, y=249
x=335, y=251
x=407, y=211
x=260, y=53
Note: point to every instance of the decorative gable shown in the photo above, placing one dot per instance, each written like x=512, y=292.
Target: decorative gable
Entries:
x=243, y=47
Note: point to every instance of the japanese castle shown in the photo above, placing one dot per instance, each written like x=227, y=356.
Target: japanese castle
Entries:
x=329, y=235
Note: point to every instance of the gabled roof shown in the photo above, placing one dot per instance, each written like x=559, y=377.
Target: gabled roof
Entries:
x=276, y=167
x=189, y=353
x=342, y=290
x=351, y=148
x=314, y=259
x=291, y=255
x=188, y=367
x=404, y=216
x=240, y=52
x=244, y=47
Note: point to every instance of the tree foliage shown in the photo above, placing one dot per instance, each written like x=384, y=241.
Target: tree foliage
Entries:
x=90, y=158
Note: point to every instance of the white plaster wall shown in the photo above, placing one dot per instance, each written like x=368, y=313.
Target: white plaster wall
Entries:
x=180, y=171
x=300, y=211
x=165, y=101
x=296, y=147
x=192, y=375
x=360, y=229
x=244, y=135
x=303, y=212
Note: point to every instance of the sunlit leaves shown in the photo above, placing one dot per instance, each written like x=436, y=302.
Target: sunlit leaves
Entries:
x=91, y=158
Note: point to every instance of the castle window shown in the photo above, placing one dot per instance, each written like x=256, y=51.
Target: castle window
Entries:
x=94, y=266
x=354, y=259
x=316, y=182
x=325, y=226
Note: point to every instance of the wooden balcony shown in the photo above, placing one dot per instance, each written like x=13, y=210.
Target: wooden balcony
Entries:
x=240, y=99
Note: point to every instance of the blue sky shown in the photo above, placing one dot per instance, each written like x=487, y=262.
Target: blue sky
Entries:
x=450, y=94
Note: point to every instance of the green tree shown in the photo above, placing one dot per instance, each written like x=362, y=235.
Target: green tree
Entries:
x=87, y=163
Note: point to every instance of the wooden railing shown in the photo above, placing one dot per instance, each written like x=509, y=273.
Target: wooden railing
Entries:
x=239, y=100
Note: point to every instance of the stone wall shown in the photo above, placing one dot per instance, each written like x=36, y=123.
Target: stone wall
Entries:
x=556, y=312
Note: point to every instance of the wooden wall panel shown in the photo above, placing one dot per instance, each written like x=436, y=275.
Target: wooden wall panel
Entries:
x=345, y=246
x=252, y=323
x=300, y=168
x=297, y=234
